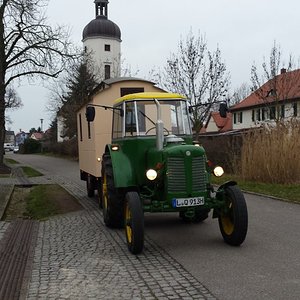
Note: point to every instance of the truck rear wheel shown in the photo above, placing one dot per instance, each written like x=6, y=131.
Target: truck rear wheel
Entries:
x=99, y=190
x=233, y=219
x=112, y=200
x=90, y=186
x=134, y=222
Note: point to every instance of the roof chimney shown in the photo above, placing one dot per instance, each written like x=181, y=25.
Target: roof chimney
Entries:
x=282, y=71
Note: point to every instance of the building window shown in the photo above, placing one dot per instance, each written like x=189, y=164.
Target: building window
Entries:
x=89, y=130
x=80, y=127
x=106, y=71
x=295, y=109
x=258, y=114
x=240, y=117
x=107, y=47
x=282, y=114
x=126, y=91
x=117, y=123
x=263, y=114
x=253, y=115
x=272, y=112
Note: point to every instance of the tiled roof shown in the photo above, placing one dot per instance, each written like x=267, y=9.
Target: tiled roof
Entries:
x=37, y=135
x=224, y=124
x=287, y=85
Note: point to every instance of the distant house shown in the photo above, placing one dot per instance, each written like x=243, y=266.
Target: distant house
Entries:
x=21, y=137
x=277, y=99
x=37, y=136
x=9, y=137
x=216, y=123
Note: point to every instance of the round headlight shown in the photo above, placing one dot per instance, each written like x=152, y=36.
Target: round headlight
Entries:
x=151, y=174
x=218, y=171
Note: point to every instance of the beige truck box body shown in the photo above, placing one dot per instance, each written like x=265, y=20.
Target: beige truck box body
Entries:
x=93, y=137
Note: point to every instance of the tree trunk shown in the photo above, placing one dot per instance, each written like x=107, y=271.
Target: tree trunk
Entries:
x=2, y=83
x=2, y=121
x=2, y=125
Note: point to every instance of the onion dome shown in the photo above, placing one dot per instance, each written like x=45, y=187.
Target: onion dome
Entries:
x=101, y=26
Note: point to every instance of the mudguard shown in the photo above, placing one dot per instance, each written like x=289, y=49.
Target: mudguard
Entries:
x=227, y=183
x=122, y=169
x=220, y=195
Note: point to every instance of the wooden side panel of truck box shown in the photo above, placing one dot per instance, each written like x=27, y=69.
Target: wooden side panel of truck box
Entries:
x=93, y=138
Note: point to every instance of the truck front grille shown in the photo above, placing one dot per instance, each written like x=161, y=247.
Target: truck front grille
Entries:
x=199, y=176
x=176, y=174
x=177, y=181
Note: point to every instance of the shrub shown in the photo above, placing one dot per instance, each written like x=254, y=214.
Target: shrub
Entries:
x=30, y=146
x=272, y=155
x=66, y=148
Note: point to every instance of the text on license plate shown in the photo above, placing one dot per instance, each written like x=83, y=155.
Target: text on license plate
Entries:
x=196, y=201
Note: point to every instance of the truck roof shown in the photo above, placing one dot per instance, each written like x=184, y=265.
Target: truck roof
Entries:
x=149, y=95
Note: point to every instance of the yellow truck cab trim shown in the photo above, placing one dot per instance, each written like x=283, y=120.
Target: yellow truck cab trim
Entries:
x=149, y=95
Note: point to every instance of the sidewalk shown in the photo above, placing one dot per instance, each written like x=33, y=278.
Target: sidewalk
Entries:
x=5, y=193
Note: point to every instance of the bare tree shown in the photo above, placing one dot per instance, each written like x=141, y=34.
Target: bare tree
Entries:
x=197, y=73
x=277, y=82
x=240, y=93
x=29, y=47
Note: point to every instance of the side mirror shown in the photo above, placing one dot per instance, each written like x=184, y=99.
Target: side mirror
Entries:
x=90, y=113
x=223, y=110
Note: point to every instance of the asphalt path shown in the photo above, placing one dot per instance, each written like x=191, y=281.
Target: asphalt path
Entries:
x=266, y=266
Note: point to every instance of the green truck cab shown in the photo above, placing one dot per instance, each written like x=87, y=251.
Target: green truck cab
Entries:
x=153, y=165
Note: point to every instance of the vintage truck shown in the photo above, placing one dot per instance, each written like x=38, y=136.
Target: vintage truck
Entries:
x=153, y=165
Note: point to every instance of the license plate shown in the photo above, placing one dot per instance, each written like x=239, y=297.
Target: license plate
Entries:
x=182, y=202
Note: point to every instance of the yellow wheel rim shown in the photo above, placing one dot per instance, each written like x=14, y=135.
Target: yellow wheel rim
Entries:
x=104, y=192
x=128, y=224
x=227, y=220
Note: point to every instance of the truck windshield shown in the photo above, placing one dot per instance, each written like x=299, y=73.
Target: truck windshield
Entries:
x=141, y=117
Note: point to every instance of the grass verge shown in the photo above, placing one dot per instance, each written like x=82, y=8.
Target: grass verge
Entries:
x=30, y=172
x=290, y=192
x=44, y=201
x=11, y=161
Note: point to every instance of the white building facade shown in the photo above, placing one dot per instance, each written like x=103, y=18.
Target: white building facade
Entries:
x=102, y=41
x=102, y=44
x=278, y=99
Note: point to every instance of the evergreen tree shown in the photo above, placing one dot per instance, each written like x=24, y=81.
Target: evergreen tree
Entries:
x=80, y=83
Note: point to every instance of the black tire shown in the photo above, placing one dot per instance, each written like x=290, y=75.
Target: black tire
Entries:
x=233, y=219
x=113, y=202
x=90, y=186
x=99, y=192
x=134, y=222
x=199, y=216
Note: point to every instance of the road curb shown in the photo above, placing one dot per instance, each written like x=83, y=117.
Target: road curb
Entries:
x=5, y=195
x=264, y=195
x=271, y=197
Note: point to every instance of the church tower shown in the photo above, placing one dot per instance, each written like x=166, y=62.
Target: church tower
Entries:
x=102, y=40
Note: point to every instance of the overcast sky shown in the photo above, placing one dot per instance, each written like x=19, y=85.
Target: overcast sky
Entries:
x=244, y=30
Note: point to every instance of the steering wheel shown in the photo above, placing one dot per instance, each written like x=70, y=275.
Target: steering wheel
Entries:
x=165, y=129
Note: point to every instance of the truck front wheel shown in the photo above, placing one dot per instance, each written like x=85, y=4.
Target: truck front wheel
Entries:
x=112, y=200
x=134, y=222
x=233, y=218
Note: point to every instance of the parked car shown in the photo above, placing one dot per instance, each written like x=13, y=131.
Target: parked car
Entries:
x=16, y=149
x=8, y=147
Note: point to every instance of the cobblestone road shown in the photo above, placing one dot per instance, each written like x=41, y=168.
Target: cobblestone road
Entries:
x=77, y=257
